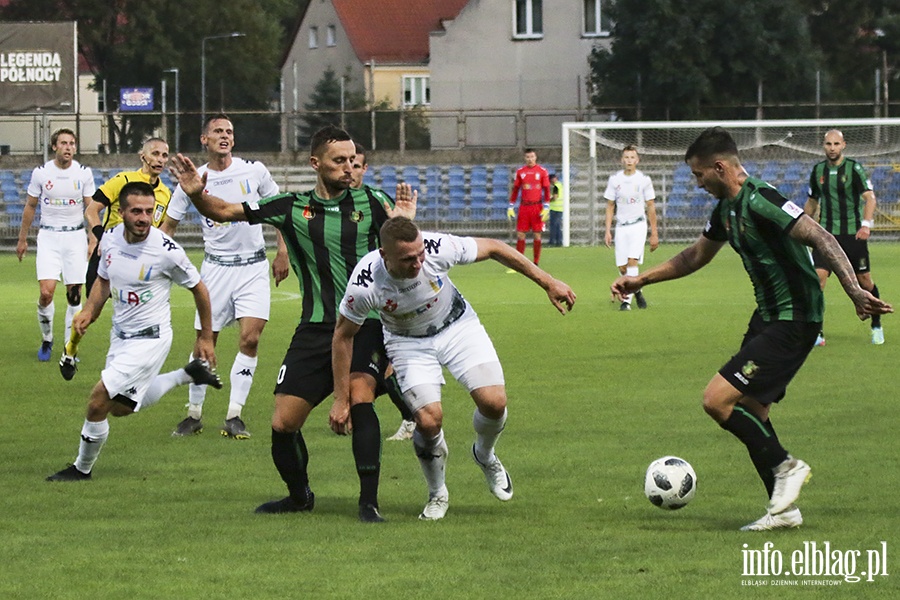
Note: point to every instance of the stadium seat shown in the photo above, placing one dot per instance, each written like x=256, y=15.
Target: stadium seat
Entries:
x=387, y=176
x=456, y=176
x=682, y=174
x=433, y=181
x=797, y=171
x=500, y=180
x=456, y=203
x=410, y=175
x=369, y=179
x=478, y=176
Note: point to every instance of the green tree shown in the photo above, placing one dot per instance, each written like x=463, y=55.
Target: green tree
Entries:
x=128, y=43
x=685, y=59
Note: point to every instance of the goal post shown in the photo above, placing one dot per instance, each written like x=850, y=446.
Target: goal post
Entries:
x=781, y=152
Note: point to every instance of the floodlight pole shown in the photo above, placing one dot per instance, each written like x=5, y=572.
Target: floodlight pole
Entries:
x=177, y=110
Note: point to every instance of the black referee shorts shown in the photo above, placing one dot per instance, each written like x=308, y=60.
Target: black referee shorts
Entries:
x=856, y=250
x=306, y=370
x=770, y=356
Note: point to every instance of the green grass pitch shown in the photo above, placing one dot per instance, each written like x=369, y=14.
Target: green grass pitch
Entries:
x=595, y=396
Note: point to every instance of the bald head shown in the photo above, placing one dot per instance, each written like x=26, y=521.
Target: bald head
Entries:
x=834, y=146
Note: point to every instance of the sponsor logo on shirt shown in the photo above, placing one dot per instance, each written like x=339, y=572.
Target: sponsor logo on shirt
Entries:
x=130, y=297
x=145, y=273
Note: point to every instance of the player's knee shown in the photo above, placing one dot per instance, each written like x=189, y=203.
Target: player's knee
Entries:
x=46, y=297
x=714, y=407
x=429, y=423
x=73, y=295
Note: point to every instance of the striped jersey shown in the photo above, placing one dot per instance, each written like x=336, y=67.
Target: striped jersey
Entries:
x=325, y=241
x=757, y=223
x=838, y=190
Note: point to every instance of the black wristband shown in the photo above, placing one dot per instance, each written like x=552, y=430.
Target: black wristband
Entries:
x=97, y=230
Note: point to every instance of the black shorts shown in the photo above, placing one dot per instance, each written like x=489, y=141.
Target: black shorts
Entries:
x=770, y=356
x=856, y=250
x=306, y=369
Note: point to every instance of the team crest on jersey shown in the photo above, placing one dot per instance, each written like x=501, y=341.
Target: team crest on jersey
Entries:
x=308, y=213
x=356, y=216
x=390, y=306
x=145, y=275
x=437, y=284
x=49, y=185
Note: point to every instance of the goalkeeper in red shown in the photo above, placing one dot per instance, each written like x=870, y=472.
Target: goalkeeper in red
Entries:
x=534, y=182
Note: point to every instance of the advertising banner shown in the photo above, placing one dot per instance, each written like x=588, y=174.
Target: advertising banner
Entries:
x=38, y=67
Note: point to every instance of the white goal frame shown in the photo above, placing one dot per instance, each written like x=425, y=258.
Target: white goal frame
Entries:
x=592, y=132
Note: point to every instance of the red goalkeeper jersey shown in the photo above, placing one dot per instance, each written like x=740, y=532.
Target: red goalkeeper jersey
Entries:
x=533, y=181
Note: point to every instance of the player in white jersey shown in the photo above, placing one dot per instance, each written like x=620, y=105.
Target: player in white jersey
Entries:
x=63, y=188
x=630, y=196
x=138, y=266
x=234, y=268
x=428, y=325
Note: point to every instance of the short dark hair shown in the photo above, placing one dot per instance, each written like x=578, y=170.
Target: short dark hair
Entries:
x=712, y=142
x=398, y=229
x=630, y=148
x=325, y=136
x=361, y=151
x=529, y=150
x=134, y=188
x=55, y=135
x=215, y=117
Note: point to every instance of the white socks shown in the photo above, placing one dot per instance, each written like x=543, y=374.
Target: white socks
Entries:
x=631, y=272
x=432, y=456
x=487, y=431
x=241, y=379
x=162, y=383
x=45, y=320
x=93, y=436
x=196, y=396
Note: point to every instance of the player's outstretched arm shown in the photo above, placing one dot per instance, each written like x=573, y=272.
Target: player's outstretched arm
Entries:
x=812, y=234
x=694, y=257
x=404, y=202
x=341, y=354
x=560, y=294
x=204, y=348
x=192, y=184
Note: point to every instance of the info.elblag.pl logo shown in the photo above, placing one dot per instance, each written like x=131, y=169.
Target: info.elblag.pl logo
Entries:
x=813, y=563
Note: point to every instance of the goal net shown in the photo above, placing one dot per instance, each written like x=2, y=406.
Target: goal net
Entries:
x=779, y=152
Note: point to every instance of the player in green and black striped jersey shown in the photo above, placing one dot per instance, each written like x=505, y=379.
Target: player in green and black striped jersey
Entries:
x=842, y=194
x=770, y=234
x=327, y=230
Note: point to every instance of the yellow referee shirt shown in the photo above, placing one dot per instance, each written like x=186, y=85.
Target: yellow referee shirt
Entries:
x=109, y=195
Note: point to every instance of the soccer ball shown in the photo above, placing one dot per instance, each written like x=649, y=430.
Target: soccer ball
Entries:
x=670, y=482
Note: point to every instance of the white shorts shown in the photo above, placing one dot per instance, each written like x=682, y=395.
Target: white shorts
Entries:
x=630, y=240
x=462, y=346
x=62, y=253
x=236, y=292
x=132, y=364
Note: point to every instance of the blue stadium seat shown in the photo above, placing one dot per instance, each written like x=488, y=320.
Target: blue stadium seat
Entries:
x=410, y=175
x=433, y=181
x=771, y=171
x=387, y=176
x=797, y=171
x=500, y=180
x=682, y=174
x=369, y=178
x=457, y=204
x=478, y=176
x=6, y=175
x=456, y=176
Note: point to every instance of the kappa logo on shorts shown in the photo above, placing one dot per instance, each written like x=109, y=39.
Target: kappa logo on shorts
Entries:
x=131, y=391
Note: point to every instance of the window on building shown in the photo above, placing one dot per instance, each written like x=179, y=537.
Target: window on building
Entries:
x=416, y=90
x=313, y=37
x=528, y=19
x=331, y=36
x=596, y=18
